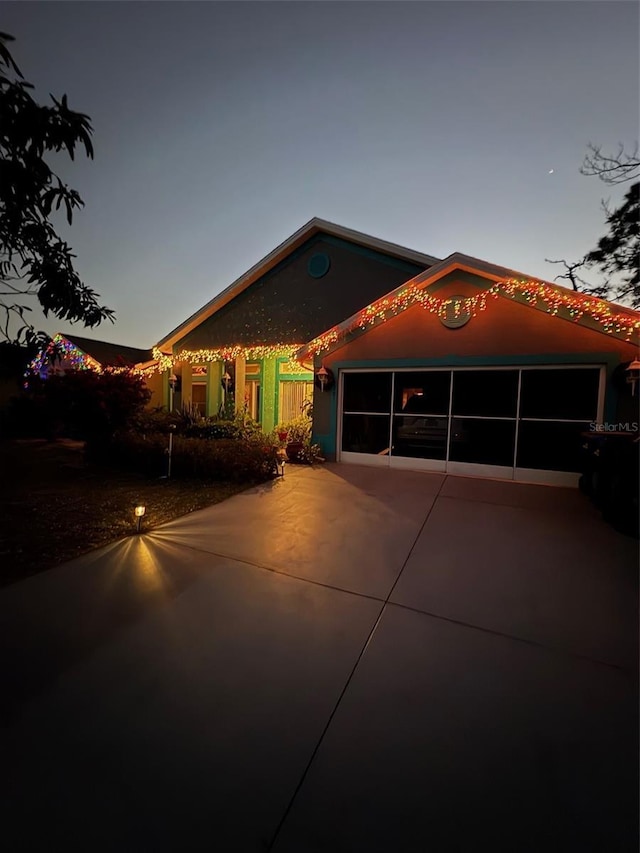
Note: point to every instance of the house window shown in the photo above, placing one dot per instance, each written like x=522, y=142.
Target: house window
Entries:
x=252, y=398
x=291, y=399
x=199, y=397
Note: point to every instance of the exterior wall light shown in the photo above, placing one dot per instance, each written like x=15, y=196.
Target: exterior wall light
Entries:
x=633, y=374
x=173, y=381
x=139, y=512
x=324, y=378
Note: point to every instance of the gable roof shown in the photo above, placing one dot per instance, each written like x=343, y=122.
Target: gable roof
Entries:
x=313, y=227
x=335, y=337
x=109, y=354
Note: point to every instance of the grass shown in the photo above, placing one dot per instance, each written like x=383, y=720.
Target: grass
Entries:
x=55, y=506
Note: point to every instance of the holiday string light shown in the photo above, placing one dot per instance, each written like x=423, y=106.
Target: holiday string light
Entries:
x=294, y=367
x=228, y=353
x=59, y=348
x=69, y=356
x=533, y=292
x=574, y=306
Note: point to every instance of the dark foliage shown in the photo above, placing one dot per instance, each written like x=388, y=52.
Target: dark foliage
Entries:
x=80, y=404
x=214, y=429
x=34, y=260
x=232, y=460
x=14, y=358
x=617, y=254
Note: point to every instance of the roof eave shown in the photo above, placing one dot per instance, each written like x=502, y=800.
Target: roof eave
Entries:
x=455, y=261
x=314, y=226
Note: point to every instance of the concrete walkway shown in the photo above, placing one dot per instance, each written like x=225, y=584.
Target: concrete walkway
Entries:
x=348, y=659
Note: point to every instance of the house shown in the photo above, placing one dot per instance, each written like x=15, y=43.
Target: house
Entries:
x=474, y=369
x=73, y=352
x=453, y=365
x=239, y=347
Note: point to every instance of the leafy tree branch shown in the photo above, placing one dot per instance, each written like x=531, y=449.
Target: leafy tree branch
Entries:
x=34, y=260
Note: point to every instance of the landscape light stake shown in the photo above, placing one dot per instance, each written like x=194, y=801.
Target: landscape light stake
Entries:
x=171, y=429
x=139, y=512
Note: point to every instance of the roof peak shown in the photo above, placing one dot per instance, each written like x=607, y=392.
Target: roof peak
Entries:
x=314, y=226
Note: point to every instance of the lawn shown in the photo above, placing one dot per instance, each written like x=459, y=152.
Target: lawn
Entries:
x=56, y=507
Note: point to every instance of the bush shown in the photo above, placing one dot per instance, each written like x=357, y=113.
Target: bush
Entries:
x=130, y=451
x=22, y=417
x=150, y=421
x=298, y=430
x=310, y=454
x=235, y=460
x=80, y=404
x=213, y=428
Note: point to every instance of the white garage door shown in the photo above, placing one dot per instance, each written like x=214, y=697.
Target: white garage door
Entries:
x=522, y=423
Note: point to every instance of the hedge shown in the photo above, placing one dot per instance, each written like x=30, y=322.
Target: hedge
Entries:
x=235, y=460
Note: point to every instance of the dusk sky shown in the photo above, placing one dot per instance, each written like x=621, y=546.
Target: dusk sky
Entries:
x=221, y=128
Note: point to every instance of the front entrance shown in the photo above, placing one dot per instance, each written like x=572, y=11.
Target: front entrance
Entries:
x=521, y=423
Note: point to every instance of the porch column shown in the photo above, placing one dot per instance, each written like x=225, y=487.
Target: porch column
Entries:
x=240, y=372
x=269, y=390
x=214, y=387
x=165, y=389
x=187, y=383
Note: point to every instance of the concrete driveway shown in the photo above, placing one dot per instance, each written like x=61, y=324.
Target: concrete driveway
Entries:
x=348, y=659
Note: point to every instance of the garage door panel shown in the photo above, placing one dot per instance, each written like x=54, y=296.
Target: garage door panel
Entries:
x=485, y=393
x=560, y=394
x=483, y=442
x=420, y=437
x=425, y=392
x=367, y=392
x=366, y=433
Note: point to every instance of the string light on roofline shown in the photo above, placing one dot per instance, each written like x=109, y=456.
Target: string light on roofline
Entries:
x=165, y=361
x=59, y=347
x=63, y=350
x=534, y=293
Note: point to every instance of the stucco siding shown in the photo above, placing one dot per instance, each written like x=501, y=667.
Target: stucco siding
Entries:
x=288, y=305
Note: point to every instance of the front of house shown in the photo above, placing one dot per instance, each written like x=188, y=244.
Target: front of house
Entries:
x=239, y=349
x=453, y=365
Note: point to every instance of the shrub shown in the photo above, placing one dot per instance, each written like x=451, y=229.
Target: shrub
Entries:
x=298, y=430
x=236, y=460
x=145, y=454
x=212, y=428
x=150, y=421
x=310, y=454
x=84, y=404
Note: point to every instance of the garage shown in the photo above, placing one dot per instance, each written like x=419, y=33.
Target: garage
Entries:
x=520, y=423
x=469, y=370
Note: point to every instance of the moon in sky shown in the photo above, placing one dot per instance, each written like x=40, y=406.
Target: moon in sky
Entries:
x=551, y=171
